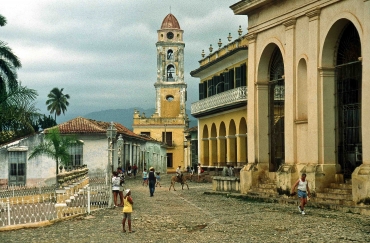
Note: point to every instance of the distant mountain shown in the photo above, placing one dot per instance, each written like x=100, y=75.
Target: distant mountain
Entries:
x=125, y=116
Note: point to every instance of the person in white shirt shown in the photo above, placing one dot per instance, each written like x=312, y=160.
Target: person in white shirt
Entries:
x=303, y=191
x=179, y=172
x=199, y=171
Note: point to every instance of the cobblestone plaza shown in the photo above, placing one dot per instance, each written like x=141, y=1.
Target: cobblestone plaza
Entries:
x=192, y=216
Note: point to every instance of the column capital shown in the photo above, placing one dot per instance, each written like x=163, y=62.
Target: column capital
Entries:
x=241, y=135
x=251, y=37
x=326, y=71
x=221, y=137
x=314, y=14
x=290, y=24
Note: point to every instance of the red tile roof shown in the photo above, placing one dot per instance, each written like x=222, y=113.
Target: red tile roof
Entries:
x=90, y=126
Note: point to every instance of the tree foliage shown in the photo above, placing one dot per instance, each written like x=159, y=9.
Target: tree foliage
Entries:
x=56, y=147
x=17, y=110
x=57, y=102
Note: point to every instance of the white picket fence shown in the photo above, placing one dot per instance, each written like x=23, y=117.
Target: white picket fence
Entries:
x=25, y=206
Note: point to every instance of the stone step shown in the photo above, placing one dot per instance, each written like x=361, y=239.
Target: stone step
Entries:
x=338, y=191
x=341, y=185
x=267, y=185
x=334, y=196
x=332, y=201
x=264, y=190
x=262, y=194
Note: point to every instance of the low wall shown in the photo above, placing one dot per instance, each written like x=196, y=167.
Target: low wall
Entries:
x=226, y=184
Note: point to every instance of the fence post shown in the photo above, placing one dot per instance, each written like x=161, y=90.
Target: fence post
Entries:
x=8, y=206
x=88, y=200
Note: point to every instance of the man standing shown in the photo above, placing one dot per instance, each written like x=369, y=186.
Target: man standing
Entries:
x=121, y=176
x=303, y=191
x=152, y=180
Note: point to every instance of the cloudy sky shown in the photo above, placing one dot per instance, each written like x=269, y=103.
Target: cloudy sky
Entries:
x=103, y=52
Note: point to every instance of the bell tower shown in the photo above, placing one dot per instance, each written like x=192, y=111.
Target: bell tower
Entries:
x=170, y=86
x=169, y=120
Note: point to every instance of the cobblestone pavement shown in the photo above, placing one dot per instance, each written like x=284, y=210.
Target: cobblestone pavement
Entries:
x=191, y=216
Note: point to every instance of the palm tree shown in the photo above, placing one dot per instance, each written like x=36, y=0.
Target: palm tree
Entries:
x=9, y=62
x=16, y=108
x=56, y=147
x=57, y=102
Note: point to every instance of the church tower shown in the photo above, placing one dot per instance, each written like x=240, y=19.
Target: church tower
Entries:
x=169, y=120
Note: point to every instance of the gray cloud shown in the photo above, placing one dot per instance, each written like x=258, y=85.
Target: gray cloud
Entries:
x=103, y=52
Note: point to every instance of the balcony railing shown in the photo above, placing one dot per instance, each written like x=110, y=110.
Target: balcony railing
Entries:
x=225, y=99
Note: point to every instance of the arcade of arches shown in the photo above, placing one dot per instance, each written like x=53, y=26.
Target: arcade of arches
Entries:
x=223, y=142
x=308, y=97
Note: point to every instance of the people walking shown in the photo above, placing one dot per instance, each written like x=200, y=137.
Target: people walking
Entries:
x=127, y=210
x=121, y=176
x=303, y=192
x=158, y=178
x=152, y=181
x=199, y=171
x=115, y=187
x=145, y=177
x=134, y=170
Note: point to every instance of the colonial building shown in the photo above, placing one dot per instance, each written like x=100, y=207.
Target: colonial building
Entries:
x=222, y=106
x=308, y=62
x=169, y=120
x=95, y=152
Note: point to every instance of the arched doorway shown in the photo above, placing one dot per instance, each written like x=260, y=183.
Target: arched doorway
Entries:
x=276, y=110
x=348, y=80
x=205, y=146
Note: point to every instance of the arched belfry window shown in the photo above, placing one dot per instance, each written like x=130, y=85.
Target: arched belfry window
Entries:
x=170, y=55
x=276, y=110
x=348, y=75
x=170, y=73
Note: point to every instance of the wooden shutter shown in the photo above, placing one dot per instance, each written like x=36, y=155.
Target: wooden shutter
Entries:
x=243, y=75
x=201, y=91
x=231, y=79
x=226, y=81
x=238, y=74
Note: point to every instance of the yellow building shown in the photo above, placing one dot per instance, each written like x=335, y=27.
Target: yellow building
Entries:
x=169, y=120
x=222, y=106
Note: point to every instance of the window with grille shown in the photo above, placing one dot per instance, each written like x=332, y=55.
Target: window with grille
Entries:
x=76, y=154
x=17, y=167
x=167, y=138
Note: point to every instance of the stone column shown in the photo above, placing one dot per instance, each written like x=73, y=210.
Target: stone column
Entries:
x=231, y=145
x=222, y=150
x=361, y=175
x=241, y=157
x=249, y=173
x=213, y=151
x=204, y=155
x=284, y=174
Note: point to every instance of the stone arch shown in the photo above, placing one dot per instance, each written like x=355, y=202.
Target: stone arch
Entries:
x=264, y=97
x=344, y=79
x=213, y=145
x=243, y=145
x=231, y=144
x=205, y=146
x=332, y=35
x=222, y=148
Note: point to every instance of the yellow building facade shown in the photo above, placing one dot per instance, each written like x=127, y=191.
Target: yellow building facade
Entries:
x=308, y=97
x=169, y=120
x=222, y=107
